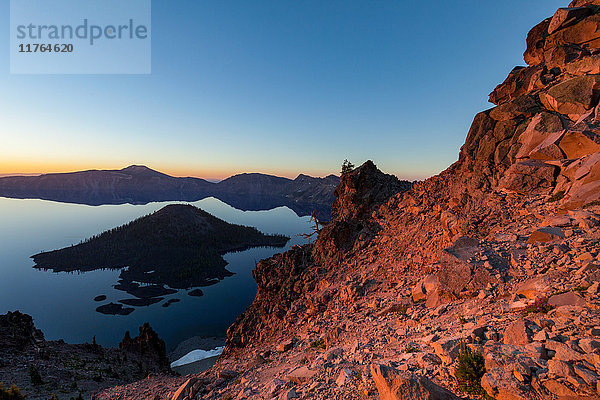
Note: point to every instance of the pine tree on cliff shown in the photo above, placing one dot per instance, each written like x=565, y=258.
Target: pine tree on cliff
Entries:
x=347, y=167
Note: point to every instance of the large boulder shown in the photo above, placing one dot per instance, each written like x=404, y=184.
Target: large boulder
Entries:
x=538, y=141
x=559, y=368
x=574, y=97
x=504, y=364
x=301, y=375
x=432, y=291
x=493, y=136
x=548, y=149
x=517, y=333
x=566, y=299
x=536, y=37
x=440, y=295
x=394, y=385
x=455, y=272
x=529, y=176
x=584, y=66
x=500, y=383
x=557, y=57
x=525, y=106
x=546, y=234
x=534, y=287
x=559, y=389
x=576, y=144
x=564, y=352
x=565, y=17
x=583, y=194
x=425, y=286
x=519, y=82
x=583, y=32
x=585, y=177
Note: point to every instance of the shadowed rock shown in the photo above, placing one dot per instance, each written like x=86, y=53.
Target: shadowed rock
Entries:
x=147, y=345
x=546, y=234
x=17, y=331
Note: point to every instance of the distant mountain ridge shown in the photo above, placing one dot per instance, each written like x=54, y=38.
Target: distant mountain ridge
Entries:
x=139, y=184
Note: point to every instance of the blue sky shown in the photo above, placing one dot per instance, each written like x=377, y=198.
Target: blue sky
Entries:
x=282, y=87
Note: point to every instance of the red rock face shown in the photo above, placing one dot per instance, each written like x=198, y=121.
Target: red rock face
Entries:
x=362, y=189
x=534, y=54
x=581, y=3
x=563, y=79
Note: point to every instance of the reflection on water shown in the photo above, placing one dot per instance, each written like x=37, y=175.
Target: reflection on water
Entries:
x=62, y=304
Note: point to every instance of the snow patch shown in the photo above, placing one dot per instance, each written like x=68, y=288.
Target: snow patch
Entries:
x=197, y=355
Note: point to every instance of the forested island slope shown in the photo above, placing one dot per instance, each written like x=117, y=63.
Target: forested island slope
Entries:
x=179, y=245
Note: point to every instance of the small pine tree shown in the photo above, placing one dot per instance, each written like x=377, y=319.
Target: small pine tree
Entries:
x=347, y=167
x=34, y=375
x=469, y=371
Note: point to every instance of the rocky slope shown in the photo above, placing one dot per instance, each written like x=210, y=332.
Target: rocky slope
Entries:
x=41, y=368
x=140, y=185
x=500, y=253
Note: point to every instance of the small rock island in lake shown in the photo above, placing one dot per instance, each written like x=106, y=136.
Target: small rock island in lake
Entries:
x=179, y=245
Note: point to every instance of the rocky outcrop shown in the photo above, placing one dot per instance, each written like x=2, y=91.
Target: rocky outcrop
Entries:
x=360, y=192
x=42, y=368
x=17, y=332
x=363, y=189
x=281, y=281
x=285, y=278
x=147, y=345
x=561, y=87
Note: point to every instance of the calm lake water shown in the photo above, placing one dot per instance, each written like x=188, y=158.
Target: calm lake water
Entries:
x=62, y=305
